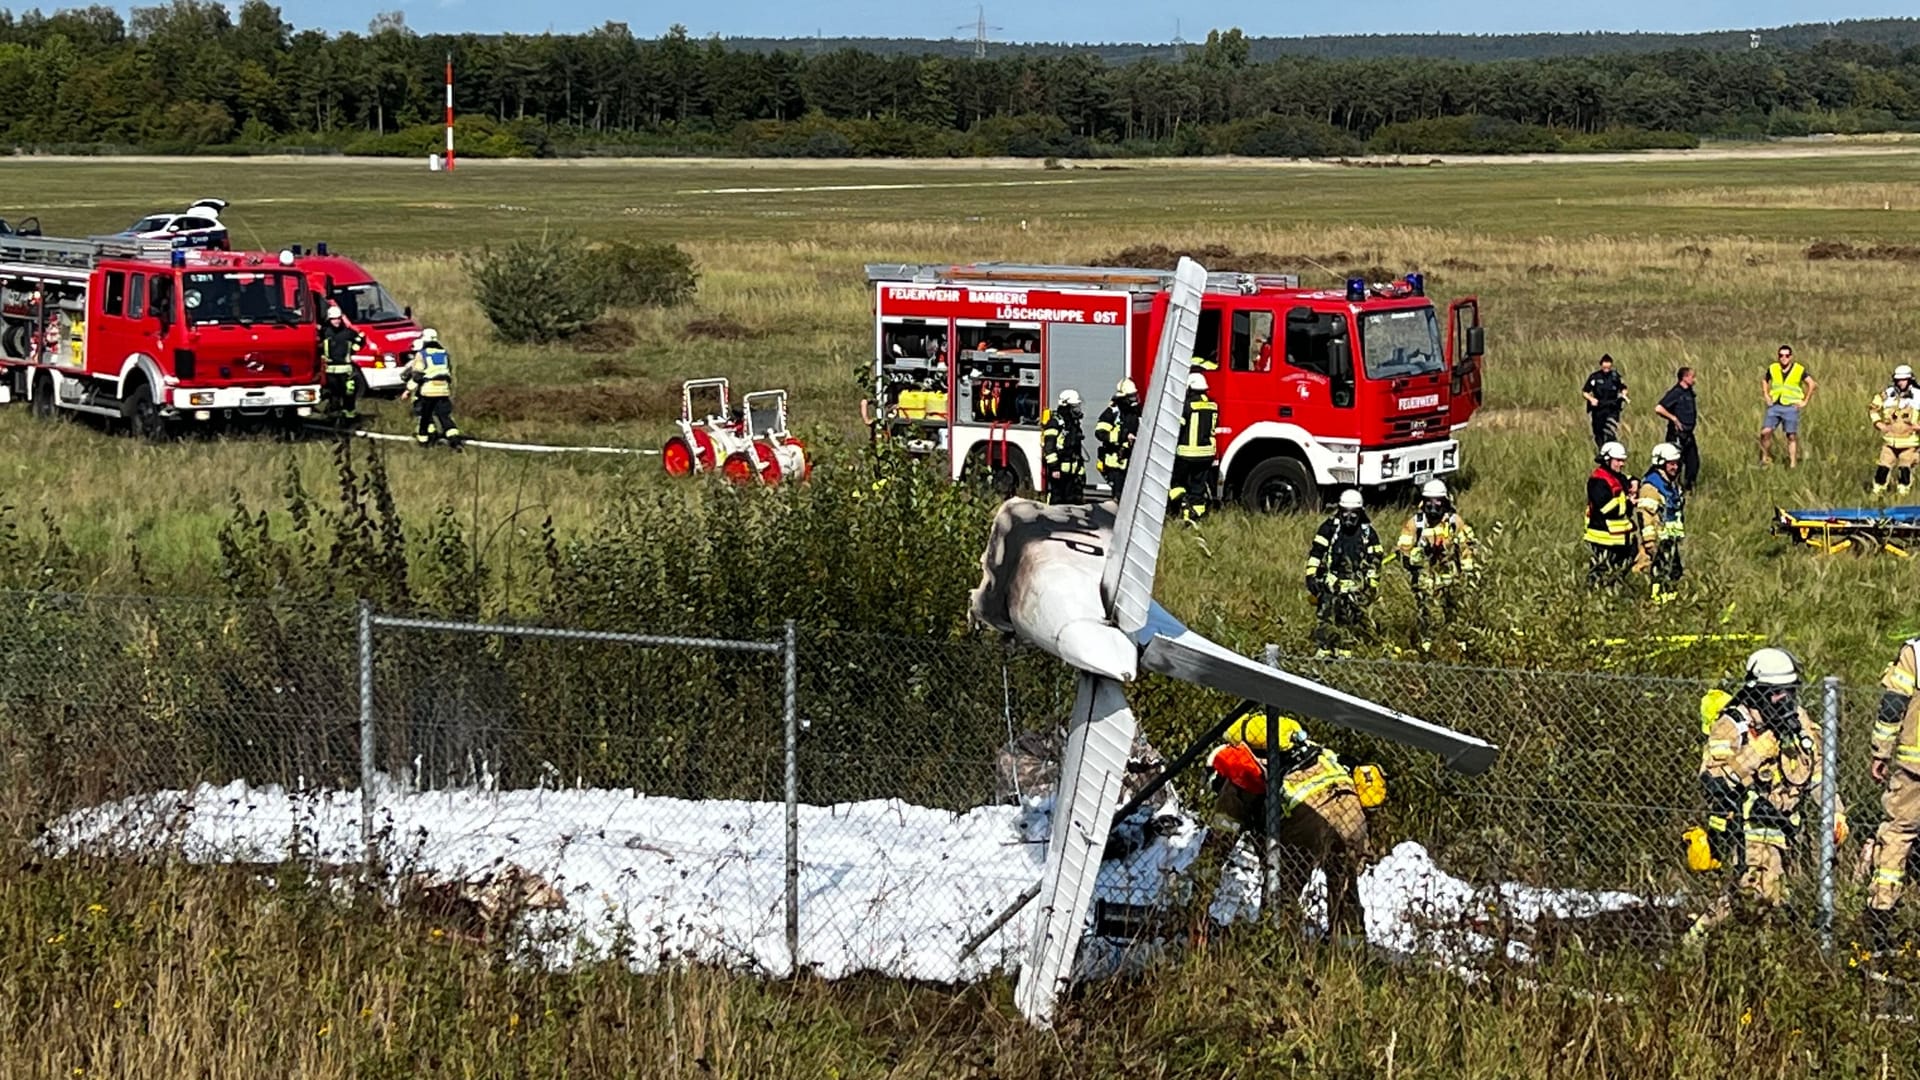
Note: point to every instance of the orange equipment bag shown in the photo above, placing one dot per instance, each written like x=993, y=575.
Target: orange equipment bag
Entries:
x=1236, y=765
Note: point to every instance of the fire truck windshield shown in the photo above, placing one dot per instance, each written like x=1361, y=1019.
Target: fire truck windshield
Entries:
x=366, y=303
x=243, y=296
x=1401, y=343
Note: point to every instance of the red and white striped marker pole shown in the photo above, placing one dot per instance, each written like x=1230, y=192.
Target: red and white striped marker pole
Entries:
x=449, y=112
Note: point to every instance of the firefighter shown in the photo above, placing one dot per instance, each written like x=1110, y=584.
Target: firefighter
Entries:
x=1193, y=458
x=430, y=384
x=1343, y=574
x=1896, y=416
x=1062, y=448
x=1323, y=822
x=1763, y=754
x=338, y=342
x=1436, y=547
x=1115, y=432
x=1660, y=506
x=1896, y=767
x=1609, y=498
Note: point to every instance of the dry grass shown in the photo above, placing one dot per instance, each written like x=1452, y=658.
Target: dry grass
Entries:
x=1886, y=196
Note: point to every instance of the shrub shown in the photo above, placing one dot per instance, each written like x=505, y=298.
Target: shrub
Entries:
x=537, y=289
x=1464, y=135
x=644, y=275
x=1281, y=137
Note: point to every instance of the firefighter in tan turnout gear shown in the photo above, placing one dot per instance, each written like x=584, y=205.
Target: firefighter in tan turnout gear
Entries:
x=1896, y=416
x=1324, y=811
x=1896, y=767
x=1436, y=547
x=430, y=384
x=1761, y=768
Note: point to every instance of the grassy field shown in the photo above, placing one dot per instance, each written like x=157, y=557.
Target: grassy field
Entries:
x=1668, y=261
x=1664, y=262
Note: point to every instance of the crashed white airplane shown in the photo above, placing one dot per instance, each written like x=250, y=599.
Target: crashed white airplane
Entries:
x=1077, y=581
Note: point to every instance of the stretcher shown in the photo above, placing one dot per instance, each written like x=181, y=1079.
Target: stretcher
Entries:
x=1861, y=531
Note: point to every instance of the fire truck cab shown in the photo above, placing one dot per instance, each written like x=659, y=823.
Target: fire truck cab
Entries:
x=1364, y=386
x=389, y=328
x=145, y=332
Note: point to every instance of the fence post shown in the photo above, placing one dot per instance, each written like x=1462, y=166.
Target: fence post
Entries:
x=1272, y=906
x=1829, y=802
x=793, y=798
x=366, y=735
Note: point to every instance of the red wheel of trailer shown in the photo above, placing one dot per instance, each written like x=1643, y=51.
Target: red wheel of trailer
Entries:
x=703, y=449
x=677, y=456
x=769, y=463
x=739, y=468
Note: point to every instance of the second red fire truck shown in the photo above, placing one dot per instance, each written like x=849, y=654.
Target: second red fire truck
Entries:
x=1364, y=386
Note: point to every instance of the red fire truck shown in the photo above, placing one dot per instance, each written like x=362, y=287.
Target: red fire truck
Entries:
x=389, y=329
x=1360, y=386
x=138, y=330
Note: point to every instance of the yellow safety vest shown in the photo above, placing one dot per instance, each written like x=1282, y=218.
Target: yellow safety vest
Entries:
x=1784, y=387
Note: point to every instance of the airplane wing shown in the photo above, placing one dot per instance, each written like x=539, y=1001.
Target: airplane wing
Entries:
x=1099, y=740
x=1127, y=581
x=1173, y=650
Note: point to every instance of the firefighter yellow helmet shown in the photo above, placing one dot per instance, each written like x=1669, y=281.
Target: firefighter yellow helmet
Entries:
x=1772, y=667
x=1251, y=731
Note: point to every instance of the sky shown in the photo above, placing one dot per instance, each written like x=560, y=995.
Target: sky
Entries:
x=1077, y=20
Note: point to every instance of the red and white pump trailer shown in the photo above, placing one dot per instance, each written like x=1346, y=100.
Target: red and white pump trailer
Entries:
x=152, y=334
x=1364, y=386
x=748, y=444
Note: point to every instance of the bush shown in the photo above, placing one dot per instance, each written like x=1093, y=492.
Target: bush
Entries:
x=1464, y=135
x=644, y=275
x=1281, y=137
x=538, y=289
x=1630, y=139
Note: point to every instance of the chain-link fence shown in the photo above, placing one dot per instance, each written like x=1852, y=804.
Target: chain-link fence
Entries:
x=837, y=801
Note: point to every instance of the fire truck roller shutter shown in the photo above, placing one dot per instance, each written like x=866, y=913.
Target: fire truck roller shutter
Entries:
x=1088, y=359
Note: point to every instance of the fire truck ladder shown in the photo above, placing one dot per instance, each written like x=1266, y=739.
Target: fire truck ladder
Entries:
x=1130, y=279
x=53, y=251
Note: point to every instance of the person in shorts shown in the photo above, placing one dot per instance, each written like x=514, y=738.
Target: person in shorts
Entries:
x=1788, y=389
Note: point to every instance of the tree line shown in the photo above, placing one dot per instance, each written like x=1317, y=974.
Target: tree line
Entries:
x=191, y=75
x=1893, y=33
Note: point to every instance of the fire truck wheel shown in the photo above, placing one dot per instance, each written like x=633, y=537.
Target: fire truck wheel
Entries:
x=143, y=414
x=14, y=340
x=42, y=398
x=1280, y=485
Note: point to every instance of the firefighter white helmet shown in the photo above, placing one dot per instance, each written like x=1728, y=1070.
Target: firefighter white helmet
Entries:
x=429, y=336
x=1197, y=381
x=1614, y=451
x=1069, y=397
x=333, y=311
x=1350, y=500
x=1125, y=386
x=1664, y=453
x=1902, y=372
x=1772, y=667
x=1434, y=489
